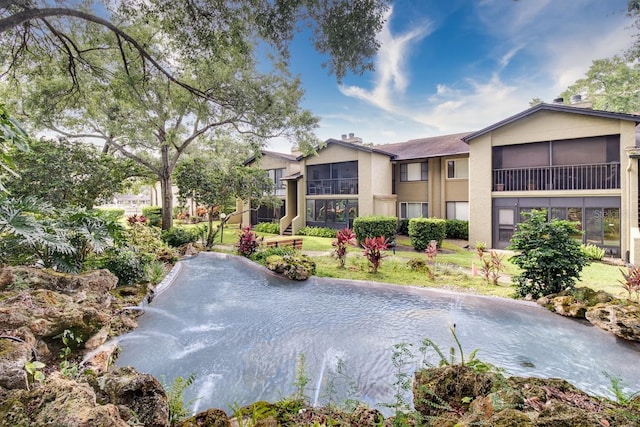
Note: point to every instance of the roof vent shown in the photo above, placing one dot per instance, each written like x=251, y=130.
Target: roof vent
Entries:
x=576, y=99
x=344, y=136
x=558, y=101
x=351, y=135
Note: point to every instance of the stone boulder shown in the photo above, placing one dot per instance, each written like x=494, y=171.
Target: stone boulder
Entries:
x=208, y=418
x=574, y=303
x=15, y=354
x=457, y=395
x=294, y=267
x=47, y=313
x=131, y=391
x=622, y=320
x=60, y=401
x=95, y=282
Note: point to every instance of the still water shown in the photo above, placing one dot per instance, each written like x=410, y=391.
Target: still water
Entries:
x=242, y=332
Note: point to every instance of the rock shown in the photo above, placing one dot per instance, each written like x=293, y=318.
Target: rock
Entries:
x=132, y=391
x=294, y=267
x=510, y=417
x=50, y=313
x=366, y=417
x=97, y=339
x=208, y=418
x=574, y=303
x=622, y=320
x=443, y=390
x=95, y=282
x=14, y=354
x=65, y=402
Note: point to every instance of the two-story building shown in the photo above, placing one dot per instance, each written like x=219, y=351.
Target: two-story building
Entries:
x=579, y=164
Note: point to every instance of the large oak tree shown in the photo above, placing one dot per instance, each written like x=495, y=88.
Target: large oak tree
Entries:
x=152, y=77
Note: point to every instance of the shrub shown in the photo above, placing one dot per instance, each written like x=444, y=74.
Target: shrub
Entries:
x=373, y=247
x=344, y=237
x=424, y=230
x=261, y=255
x=403, y=227
x=375, y=226
x=593, y=252
x=115, y=213
x=268, y=227
x=128, y=266
x=178, y=236
x=135, y=219
x=550, y=259
x=247, y=242
x=145, y=239
x=318, y=232
x=153, y=214
x=457, y=229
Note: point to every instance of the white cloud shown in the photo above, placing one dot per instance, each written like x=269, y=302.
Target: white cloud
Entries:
x=391, y=71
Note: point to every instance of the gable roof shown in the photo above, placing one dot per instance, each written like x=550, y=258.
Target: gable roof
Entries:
x=423, y=148
x=553, y=107
x=355, y=146
x=288, y=157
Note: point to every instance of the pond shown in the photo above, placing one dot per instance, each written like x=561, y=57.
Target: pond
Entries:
x=242, y=333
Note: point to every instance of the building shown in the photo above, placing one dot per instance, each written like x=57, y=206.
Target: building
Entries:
x=578, y=163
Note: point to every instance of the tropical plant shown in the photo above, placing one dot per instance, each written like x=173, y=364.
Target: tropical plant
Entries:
x=432, y=253
x=178, y=410
x=631, y=282
x=344, y=237
x=12, y=137
x=34, y=370
x=593, y=252
x=155, y=272
x=491, y=266
x=373, y=247
x=248, y=243
x=135, y=219
x=550, y=259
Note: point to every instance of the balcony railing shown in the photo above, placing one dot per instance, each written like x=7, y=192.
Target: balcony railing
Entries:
x=601, y=176
x=333, y=186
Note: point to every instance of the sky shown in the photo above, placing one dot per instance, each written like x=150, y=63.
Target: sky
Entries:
x=450, y=66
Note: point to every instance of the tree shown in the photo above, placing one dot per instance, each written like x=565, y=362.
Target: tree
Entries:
x=345, y=30
x=214, y=182
x=12, y=137
x=611, y=84
x=65, y=173
x=551, y=261
x=101, y=88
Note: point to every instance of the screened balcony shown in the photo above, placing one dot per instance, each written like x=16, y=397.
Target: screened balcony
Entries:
x=332, y=178
x=575, y=164
x=600, y=176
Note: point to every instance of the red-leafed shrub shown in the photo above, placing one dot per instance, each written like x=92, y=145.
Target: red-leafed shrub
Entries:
x=137, y=219
x=373, y=247
x=248, y=242
x=344, y=237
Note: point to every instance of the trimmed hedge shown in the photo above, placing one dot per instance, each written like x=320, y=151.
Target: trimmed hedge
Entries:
x=424, y=230
x=153, y=214
x=457, y=229
x=317, y=232
x=178, y=236
x=375, y=226
x=267, y=227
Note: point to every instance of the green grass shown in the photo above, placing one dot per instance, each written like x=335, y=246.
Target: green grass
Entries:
x=453, y=271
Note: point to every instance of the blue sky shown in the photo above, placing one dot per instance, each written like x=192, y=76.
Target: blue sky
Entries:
x=448, y=66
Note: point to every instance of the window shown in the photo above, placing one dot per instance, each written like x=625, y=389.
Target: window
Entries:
x=458, y=210
x=276, y=175
x=410, y=210
x=458, y=168
x=414, y=171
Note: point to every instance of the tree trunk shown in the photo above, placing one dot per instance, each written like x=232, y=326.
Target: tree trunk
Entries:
x=212, y=235
x=166, y=193
x=166, y=189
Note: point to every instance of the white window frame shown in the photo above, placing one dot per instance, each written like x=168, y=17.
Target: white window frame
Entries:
x=458, y=169
x=424, y=209
x=454, y=210
x=418, y=171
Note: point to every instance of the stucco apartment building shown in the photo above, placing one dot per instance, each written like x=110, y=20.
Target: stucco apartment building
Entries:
x=578, y=163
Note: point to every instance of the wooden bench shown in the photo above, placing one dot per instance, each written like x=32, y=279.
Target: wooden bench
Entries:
x=294, y=242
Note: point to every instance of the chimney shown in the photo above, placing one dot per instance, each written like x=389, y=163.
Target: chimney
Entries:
x=352, y=138
x=295, y=150
x=578, y=102
x=558, y=101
